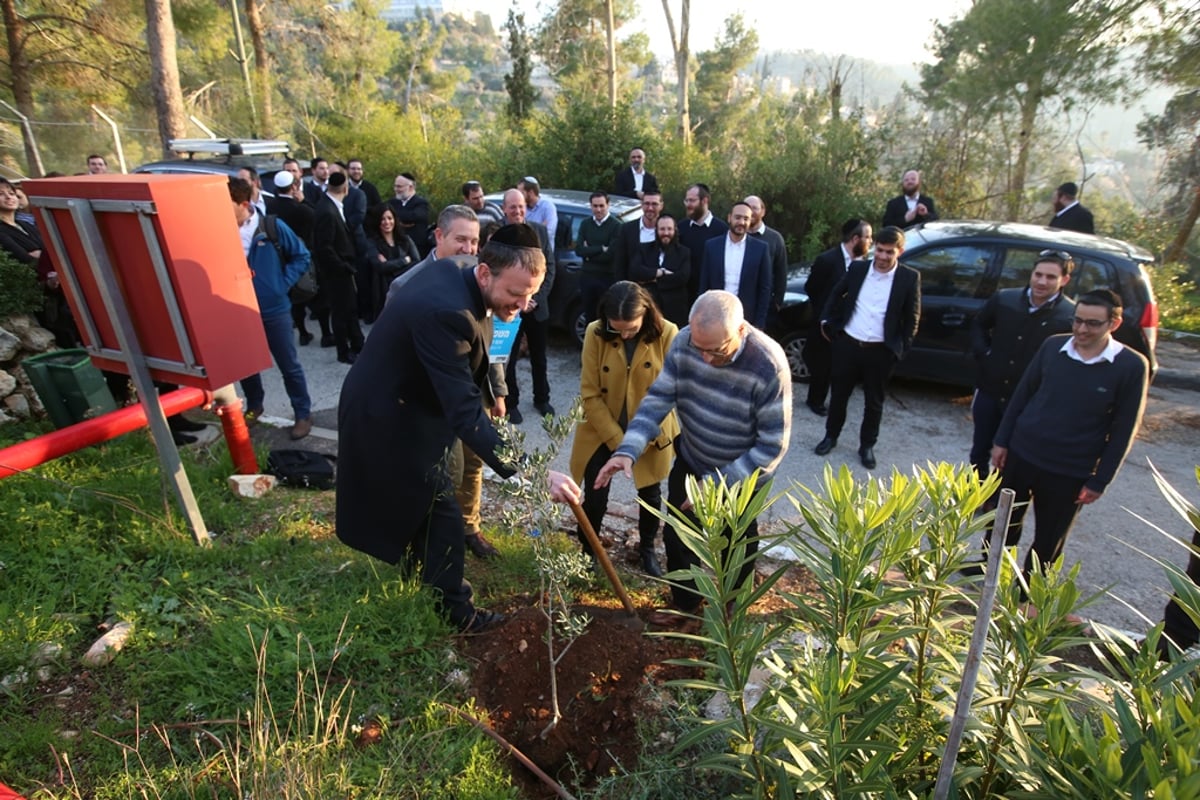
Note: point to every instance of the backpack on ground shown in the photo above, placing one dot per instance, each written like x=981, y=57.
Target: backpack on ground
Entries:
x=304, y=289
x=302, y=469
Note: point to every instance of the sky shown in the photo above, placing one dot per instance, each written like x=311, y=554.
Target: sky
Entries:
x=879, y=30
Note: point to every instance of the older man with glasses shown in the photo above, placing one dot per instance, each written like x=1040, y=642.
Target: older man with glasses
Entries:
x=731, y=389
x=1070, y=424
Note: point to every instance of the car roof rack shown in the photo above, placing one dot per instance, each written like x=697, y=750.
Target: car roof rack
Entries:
x=229, y=147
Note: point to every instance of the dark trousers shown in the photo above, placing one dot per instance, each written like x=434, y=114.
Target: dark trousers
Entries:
x=986, y=411
x=441, y=548
x=1054, y=508
x=339, y=290
x=678, y=556
x=854, y=362
x=535, y=334
x=591, y=289
x=1179, y=626
x=595, y=503
x=818, y=357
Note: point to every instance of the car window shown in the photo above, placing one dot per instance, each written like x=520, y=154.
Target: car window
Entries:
x=1089, y=273
x=950, y=271
x=568, y=230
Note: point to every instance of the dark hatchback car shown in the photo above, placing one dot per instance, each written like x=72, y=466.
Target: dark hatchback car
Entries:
x=566, y=304
x=962, y=263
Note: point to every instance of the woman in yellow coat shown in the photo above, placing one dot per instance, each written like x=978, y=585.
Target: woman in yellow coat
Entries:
x=623, y=352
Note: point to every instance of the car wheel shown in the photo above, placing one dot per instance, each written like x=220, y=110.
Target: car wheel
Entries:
x=578, y=321
x=793, y=347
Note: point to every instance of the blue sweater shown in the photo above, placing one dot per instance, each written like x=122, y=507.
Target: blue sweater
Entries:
x=272, y=279
x=1076, y=419
x=734, y=419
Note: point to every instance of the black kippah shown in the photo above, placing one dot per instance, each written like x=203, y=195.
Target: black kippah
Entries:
x=336, y=179
x=518, y=235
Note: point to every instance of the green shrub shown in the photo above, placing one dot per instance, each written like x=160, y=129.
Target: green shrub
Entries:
x=19, y=290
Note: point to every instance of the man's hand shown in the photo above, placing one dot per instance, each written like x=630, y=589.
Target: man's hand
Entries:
x=999, y=457
x=612, y=467
x=1087, y=496
x=498, y=409
x=921, y=210
x=563, y=489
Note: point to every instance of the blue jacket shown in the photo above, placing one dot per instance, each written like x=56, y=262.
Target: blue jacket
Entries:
x=272, y=279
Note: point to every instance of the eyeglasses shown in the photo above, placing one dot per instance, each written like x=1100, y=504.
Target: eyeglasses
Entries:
x=717, y=353
x=1092, y=324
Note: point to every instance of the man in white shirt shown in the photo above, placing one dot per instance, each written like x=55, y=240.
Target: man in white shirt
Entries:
x=741, y=265
x=538, y=210
x=871, y=318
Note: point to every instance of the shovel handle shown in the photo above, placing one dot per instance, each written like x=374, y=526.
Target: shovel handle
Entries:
x=601, y=556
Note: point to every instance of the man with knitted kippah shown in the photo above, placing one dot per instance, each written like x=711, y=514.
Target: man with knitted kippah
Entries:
x=1070, y=423
x=731, y=388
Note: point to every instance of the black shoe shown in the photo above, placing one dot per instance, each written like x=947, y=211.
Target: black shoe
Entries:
x=349, y=358
x=181, y=424
x=867, y=455
x=480, y=546
x=327, y=340
x=515, y=416
x=545, y=409
x=305, y=337
x=974, y=569
x=480, y=621
x=818, y=408
x=825, y=446
x=650, y=564
x=182, y=439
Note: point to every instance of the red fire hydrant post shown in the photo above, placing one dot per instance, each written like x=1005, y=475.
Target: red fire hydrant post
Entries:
x=228, y=407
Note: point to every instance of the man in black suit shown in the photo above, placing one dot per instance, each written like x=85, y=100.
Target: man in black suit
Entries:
x=334, y=253
x=697, y=229
x=1069, y=215
x=775, y=244
x=634, y=181
x=741, y=265
x=827, y=269
x=911, y=207
x=634, y=234
x=354, y=168
x=354, y=210
x=663, y=267
x=288, y=204
x=871, y=319
x=315, y=188
x=418, y=386
x=535, y=322
x=411, y=211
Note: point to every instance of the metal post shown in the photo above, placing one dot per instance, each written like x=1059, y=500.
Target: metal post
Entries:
x=37, y=169
x=116, y=132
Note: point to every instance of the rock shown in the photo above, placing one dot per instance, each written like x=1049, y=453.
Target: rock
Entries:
x=19, y=323
x=251, y=485
x=8, y=384
x=9, y=345
x=37, y=340
x=105, y=649
x=46, y=653
x=18, y=405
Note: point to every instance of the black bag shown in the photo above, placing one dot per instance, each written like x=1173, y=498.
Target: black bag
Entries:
x=302, y=469
x=303, y=290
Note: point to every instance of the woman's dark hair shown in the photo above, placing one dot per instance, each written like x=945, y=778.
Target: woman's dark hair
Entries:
x=374, y=216
x=625, y=301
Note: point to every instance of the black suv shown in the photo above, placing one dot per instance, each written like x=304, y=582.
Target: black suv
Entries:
x=962, y=263
x=566, y=304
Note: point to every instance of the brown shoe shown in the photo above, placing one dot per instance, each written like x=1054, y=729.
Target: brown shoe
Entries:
x=302, y=428
x=480, y=546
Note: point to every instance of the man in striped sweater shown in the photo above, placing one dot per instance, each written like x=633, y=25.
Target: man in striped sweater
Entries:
x=731, y=388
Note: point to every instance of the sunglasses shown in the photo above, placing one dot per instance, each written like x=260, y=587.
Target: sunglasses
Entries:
x=1060, y=255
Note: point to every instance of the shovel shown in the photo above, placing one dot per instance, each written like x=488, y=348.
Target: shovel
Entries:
x=633, y=622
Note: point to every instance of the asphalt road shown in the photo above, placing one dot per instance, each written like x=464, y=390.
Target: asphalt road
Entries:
x=925, y=422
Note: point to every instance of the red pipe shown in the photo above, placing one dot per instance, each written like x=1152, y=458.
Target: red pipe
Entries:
x=237, y=437
x=49, y=446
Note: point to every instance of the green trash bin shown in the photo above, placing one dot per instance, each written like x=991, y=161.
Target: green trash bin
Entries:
x=69, y=386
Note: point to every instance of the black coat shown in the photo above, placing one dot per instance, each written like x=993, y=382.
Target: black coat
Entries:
x=669, y=291
x=624, y=183
x=903, y=310
x=755, y=283
x=368, y=188
x=827, y=269
x=626, y=247
x=1005, y=337
x=298, y=216
x=334, y=250
x=694, y=237
x=779, y=262
x=416, y=386
x=897, y=208
x=1075, y=218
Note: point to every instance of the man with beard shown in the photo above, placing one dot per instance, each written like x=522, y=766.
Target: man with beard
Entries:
x=1069, y=215
x=418, y=387
x=911, y=207
x=354, y=168
x=634, y=234
x=411, y=211
x=740, y=265
x=699, y=227
x=663, y=268
x=485, y=211
x=635, y=181
x=827, y=269
x=314, y=189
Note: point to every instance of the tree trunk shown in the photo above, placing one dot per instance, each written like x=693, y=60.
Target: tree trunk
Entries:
x=262, y=66
x=1179, y=243
x=612, y=56
x=22, y=81
x=679, y=46
x=164, y=72
x=1016, y=184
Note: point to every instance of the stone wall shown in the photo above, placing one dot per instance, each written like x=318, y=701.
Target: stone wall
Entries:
x=20, y=336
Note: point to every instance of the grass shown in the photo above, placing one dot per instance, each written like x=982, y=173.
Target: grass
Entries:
x=254, y=664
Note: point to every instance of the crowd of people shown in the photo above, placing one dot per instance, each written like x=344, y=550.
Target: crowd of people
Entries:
x=677, y=378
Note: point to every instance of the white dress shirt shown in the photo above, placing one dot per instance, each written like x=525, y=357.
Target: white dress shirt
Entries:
x=735, y=254
x=866, y=323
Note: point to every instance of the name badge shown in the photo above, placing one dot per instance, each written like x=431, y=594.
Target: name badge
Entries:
x=503, y=336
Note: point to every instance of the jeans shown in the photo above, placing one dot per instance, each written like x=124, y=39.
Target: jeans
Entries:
x=278, y=328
